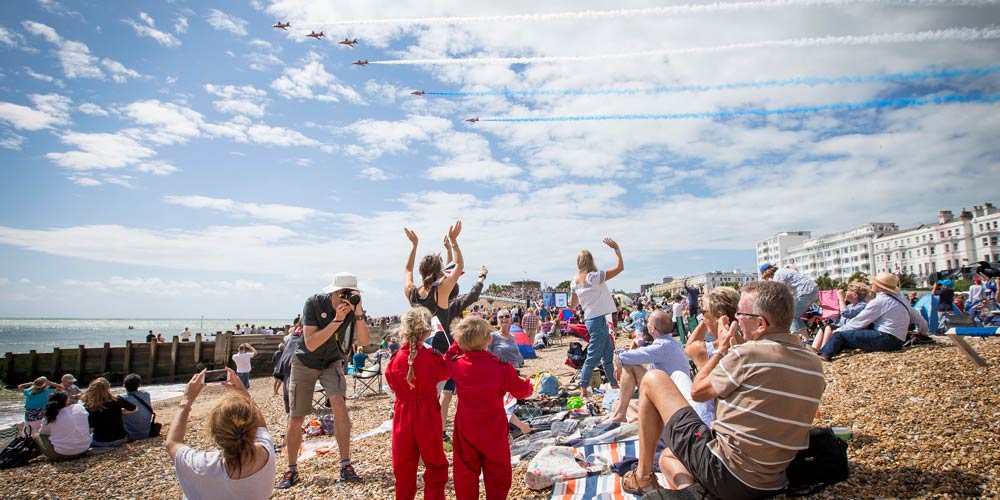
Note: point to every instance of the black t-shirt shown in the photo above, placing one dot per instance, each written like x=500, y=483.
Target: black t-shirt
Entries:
x=107, y=423
x=319, y=312
x=947, y=296
x=150, y=338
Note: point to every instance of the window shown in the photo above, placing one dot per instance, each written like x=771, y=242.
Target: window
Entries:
x=942, y=234
x=947, y=247
x=986, y=241
x=993, y=241
x=949, y=232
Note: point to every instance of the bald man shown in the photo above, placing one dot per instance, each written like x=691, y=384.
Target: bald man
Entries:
x=664, y=353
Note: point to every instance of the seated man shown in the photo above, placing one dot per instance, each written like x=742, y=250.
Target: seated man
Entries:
x=665, y=354
x=890, y=314
x=767, y=391
x=137, y=423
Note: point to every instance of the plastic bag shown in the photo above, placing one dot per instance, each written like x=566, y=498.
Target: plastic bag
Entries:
x=552, y=464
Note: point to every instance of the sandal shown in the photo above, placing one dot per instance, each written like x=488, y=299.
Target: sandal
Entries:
x=632, y=483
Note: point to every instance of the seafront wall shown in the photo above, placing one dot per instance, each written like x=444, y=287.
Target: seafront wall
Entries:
x=156, y=362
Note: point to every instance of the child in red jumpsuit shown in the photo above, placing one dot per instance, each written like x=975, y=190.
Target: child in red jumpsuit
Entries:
x=480, y=435
x=413, y=374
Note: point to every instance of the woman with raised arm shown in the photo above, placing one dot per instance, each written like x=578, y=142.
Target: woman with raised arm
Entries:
x=590, y=291
x=432, y=293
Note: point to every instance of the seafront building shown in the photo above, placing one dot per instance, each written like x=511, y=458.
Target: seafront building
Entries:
x=709, y=280
x=948, y=244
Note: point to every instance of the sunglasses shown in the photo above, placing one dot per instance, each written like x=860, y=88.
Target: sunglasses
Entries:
x=752, y=315
x=504, y=317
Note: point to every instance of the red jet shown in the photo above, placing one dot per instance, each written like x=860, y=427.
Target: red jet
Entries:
x=417, y=92
x=316, y=35
x=282, y=26
x=361, y=62
x=473, y=120
x=350, y=43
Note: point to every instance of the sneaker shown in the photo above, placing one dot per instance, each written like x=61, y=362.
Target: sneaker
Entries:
x=347, y=474
x=291, y=478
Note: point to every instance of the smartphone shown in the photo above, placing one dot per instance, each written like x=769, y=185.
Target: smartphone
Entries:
x=215, y=376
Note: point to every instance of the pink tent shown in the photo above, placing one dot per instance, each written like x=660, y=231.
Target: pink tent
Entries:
x=829, y=303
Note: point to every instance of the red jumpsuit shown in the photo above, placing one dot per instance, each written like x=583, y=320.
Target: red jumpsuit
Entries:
x=416, y=423
x=480, y=435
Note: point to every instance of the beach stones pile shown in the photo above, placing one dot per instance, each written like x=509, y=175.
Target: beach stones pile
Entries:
x=925, y=424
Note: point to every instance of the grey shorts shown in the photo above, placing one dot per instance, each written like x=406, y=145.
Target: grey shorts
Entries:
x=303, y=383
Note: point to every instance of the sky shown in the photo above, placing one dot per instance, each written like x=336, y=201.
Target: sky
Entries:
x=181, y=158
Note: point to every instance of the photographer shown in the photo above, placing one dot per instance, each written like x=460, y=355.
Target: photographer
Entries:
x=328, y=320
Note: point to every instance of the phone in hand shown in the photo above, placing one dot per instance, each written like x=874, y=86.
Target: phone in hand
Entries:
x=215, y=376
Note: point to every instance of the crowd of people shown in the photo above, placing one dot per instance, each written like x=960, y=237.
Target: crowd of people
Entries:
x=730, y=427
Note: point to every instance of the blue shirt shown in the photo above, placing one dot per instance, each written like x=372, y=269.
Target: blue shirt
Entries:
x=851, y=311
x=36, y=401
x=664, y=353
x=359, y=361
x=136, y=424
x=639, y=322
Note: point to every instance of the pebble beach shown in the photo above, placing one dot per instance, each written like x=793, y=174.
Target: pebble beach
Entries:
x=925, y=424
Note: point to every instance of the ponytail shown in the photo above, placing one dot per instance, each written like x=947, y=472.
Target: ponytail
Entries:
x=414, y=328
x=233, y=424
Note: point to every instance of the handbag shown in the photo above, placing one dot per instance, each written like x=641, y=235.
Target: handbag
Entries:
x=19, y=451
x=823, y=463
x=154, y=426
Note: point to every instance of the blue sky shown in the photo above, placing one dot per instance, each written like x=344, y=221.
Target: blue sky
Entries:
x=185, y=158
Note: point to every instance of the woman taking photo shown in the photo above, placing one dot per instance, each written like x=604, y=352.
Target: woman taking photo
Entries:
x=105, y=413
x=66, y=433
x=243, y=465
x=590, y=291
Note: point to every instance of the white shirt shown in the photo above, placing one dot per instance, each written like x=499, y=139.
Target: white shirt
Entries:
x=594, y=296
x=890, y=313
x=70, y=433
x=975, y=293
x=242, y=362
x=203, y=475
x=678, y=310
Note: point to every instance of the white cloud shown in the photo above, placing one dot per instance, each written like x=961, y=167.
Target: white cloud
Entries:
x=43, y=77
x=226, y=22
x=245, y=100
x=156, y=287
x=375, y=174
x=303, y=162
x=89, y=108
x=279, y=136
x=312, y=81
x=49, y=110
x=171, y=123
x=181, y=26
x=99, y=151
x=76, y=59
x=14, y=40
x=264, y=56
x=10, y=140
x=265, y=212
x=84, y=181
x=376, y=137
x=149, y=30
x=159, y=168
x=381, y=92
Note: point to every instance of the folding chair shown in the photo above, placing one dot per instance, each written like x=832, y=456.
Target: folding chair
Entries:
x=321, y=404
x=956, y=334
x=368, y=378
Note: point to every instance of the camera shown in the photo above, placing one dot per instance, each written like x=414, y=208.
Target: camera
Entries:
x=350, y=296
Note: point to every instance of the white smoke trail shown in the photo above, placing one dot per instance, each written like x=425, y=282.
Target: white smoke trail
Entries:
x=650, y=11
x=949, y=34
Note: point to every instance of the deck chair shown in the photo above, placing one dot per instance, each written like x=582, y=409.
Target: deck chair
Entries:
x=956, y=334
x=369, y=378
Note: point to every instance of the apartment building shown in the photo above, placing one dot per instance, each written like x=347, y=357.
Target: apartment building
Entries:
x=709, y=280
x=838, y=254
x=774, y=249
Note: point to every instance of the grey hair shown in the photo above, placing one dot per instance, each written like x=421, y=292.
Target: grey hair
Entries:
x=774, y=301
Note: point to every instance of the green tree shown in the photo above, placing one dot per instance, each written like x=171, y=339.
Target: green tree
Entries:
x=493, y=289
x=907, y=281
x=962, y=285
x=564, y=284
x=859, y=276
x=730, y=284
x=825, y=282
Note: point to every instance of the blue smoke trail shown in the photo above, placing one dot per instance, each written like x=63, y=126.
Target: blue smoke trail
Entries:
x=903, y=102
x=806, y=81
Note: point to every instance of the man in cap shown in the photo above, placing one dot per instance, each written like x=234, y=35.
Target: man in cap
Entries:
x=70, y=388
x=889, y=313
x=945, y=291
x=327, y=319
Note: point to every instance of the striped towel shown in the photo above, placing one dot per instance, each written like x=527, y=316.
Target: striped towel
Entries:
x=606, y=486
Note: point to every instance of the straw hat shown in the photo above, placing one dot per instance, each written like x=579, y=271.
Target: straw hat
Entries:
x=40, y=382
x=887, y=281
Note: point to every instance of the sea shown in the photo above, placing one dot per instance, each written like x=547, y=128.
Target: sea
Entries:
x=42, y=334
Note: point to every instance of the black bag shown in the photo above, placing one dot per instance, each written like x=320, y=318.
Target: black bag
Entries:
x=575, y=356
x=154, y=426
x=18, y=452
x=822, y=464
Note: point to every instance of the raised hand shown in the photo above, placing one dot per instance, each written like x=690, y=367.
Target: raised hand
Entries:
x=454, y=231
x=410, y=235
x=611, y=243
x=447, y=242
x=195, y=385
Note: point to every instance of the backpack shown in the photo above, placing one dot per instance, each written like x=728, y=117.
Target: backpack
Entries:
x=575, y=355
x=18, y=452
x=547, y=384
x=823, y=463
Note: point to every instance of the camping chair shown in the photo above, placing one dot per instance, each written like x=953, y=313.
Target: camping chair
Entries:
x=368, y=378
x=321, y=403
x=956, y=334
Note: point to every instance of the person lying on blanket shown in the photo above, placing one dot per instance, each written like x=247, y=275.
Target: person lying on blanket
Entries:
x=744, y=454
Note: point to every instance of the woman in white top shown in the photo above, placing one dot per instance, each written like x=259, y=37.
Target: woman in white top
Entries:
x=65, y=434
x=590, y=290
x=243, y=466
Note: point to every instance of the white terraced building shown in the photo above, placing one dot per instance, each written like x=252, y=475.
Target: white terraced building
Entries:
x=775, y=249
x=839, y=254
x=951, y=243
x=709, y=280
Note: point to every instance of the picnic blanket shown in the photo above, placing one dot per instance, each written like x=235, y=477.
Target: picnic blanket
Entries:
x=606, y=486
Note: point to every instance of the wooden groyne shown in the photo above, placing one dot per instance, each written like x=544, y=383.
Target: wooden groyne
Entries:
x=155, y=362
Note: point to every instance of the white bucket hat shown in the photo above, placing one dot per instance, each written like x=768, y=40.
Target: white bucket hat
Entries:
x=342, y=281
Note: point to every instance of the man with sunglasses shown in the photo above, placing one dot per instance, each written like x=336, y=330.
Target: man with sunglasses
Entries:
x=767, y=389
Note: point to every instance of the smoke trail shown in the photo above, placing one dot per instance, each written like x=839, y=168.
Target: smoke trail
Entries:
x=902, y=102
x=650, y=11
x=801, y=81
x=949, y=34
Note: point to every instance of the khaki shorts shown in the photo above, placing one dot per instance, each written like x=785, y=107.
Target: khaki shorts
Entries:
x=303, y=382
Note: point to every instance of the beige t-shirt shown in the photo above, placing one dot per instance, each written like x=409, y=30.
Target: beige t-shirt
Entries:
x=769, y=390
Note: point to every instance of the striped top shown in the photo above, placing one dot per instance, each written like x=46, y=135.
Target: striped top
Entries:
x=769, y=390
